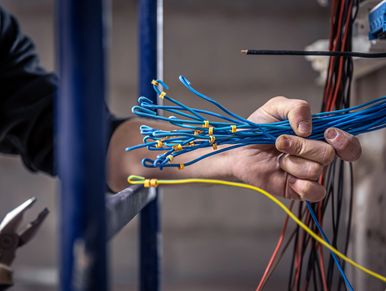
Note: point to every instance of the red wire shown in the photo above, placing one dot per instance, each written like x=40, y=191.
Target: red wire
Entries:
x=333, y=44
x=329, y=101
x=299, y=251
x=330, y=84
x=342, y=59
x=275, y=252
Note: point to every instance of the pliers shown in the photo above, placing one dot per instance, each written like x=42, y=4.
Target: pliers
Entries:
x=11, y=239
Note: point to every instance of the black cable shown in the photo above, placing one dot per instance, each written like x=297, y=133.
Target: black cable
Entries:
x=314, y=53
x=337, y=93
x=349, y=222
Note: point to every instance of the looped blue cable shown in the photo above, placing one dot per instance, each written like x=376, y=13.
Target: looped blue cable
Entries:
x=196, y=128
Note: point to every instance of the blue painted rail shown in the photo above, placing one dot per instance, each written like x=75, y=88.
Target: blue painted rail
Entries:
x=149, y=217
x=88, y=218
x=81, y=145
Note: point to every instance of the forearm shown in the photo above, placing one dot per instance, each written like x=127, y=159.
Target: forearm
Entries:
x=121, y=164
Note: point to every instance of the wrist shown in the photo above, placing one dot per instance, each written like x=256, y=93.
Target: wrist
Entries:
x=220, y=166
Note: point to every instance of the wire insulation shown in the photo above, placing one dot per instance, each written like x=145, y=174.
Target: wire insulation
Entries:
x=197, y=130
x=313, y=53
x=138, y=180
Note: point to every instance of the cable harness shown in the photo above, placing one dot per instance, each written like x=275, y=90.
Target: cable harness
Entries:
x=196, y=130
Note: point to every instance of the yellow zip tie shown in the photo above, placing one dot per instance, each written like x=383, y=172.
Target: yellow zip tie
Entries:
x=159, y=144
x=170, y=158
x=197, y=132
x=162, y=95
x=206, y=124
x=210, y=130
x=233, y=128
x=192, y=143
x=177, y=147
x=181, y=167
x=135, y=180
x=155, y=83
x=150, y=183
x=214, y=146
x=212, y=139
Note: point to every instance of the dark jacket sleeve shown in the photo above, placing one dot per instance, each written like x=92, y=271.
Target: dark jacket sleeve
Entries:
x=27, y=95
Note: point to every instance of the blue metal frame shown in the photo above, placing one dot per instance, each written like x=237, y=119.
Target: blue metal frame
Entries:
x=149, y=217
x=122, y=207
x=87, y=217
x=81, y=145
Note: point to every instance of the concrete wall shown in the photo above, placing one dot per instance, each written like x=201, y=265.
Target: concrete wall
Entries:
x=215, y=238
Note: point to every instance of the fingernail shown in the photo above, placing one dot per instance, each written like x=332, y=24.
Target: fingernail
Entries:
x=332, y=134
x=284, y=143
x=304, y=127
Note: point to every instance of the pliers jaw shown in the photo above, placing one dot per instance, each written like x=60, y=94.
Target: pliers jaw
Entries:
x=11, y=238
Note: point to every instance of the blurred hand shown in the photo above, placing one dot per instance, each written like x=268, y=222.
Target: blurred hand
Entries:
x=292, y=167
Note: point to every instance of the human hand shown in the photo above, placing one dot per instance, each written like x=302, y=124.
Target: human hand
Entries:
x=292, y=167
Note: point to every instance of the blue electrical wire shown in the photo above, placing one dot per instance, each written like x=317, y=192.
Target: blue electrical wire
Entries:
x=340, y=269
x=231, y=130
x=196, y=131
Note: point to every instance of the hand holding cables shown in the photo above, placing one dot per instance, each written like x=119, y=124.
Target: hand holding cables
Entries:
x=290, y=166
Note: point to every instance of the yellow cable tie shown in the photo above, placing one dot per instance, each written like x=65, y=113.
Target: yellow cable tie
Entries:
x=177, y=147
x=159, y=144
x=210, y=130
x=212, y=139
x=233, y=128
x=181, y=167
x=155, y=83
x=214, y=146
x=170, y=158
x=150, y=183
x=197, y=132
x=206, y=124
x=162, y=95
x=192, y=143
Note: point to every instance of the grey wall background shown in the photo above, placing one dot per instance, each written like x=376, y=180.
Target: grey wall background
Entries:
x=368, y=243
x=214, y=238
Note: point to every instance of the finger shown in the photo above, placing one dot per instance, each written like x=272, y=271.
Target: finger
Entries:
x=347, y=146
x=301, y=168
x=305, y=189
x=298, y=113
x=314, y=150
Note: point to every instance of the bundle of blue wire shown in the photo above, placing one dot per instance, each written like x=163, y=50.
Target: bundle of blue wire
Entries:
x=196, y=130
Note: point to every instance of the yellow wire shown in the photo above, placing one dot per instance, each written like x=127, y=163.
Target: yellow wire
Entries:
x=135, y=180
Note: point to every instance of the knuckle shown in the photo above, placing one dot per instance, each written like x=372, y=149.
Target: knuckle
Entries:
x=294, y=145
x=302, y=104
x=276, y=99
x=299, y=147
x=328, y=154
x=314, y=170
